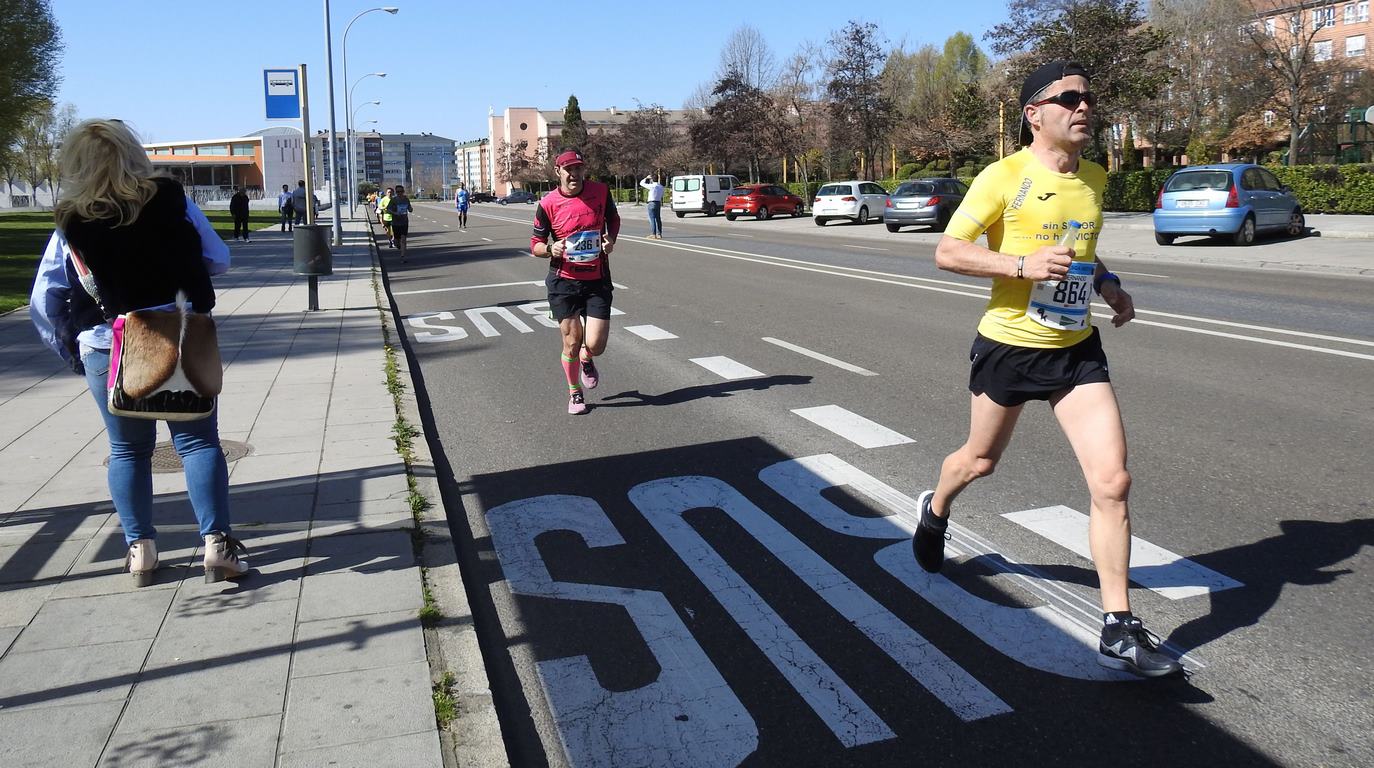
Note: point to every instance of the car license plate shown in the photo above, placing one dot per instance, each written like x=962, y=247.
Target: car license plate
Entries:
x=738, y=210
x=1192, y=203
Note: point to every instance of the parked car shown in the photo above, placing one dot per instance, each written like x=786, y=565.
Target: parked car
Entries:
x=762, y=201
x=1231, y=200
x=518, y=196
x=928, y=202
x=857, y=201
x=701, y=194
x=482, y=197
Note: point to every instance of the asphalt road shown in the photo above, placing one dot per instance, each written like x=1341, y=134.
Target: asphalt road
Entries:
x=712, y=567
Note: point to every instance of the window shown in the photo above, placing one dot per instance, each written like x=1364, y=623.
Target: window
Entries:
x=691, y=184
x=1269, y=118
x=1269, y=27
x=1351, y=76
x=1321, y=50
x=1251, y=179
x=1362, y=10
x=219, y=149
x=1271, y=182
x=1323, y=17
x=1354, y=45
x=1349, y=15
x=244, y=149
x=1193, y=181
x=183, y=150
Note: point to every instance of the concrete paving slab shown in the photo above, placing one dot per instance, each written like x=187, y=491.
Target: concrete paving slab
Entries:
x=246, y=743
x=277, y=569
x=183, y=693
x=415, y=750
x=357, y=594
x=100, y=569
x=7, y=635
x=361, y=706
x=256, y=469
x=81, y=621
x=388, y=484
x=203, y=628
x=19, y=603
x=38, y=560
x=69, y=676
x=56, y=737
x=363, y=553
x=357, y=643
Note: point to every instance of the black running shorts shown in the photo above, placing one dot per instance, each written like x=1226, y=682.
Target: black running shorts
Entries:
x=570, y=298
x=400, y=226
x=1011, y=375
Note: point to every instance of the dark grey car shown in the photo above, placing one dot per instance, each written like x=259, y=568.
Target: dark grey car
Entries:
x=518, y=196
x=925, y=202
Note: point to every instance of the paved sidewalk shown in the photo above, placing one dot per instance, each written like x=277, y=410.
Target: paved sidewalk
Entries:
x=318, y=657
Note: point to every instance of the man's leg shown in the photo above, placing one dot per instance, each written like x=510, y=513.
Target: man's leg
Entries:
x=573, y=336
x=1091, y=421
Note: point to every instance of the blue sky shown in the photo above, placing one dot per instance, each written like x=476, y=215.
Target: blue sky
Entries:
x=193, y=69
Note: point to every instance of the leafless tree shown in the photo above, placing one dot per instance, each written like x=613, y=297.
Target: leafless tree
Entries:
x=1282, y=33
x=747, y=53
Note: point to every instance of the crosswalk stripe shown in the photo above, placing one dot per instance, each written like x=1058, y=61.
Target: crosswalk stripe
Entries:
x=852, y=427
x=1153, y=567
x=726, y=368
x=650, y=332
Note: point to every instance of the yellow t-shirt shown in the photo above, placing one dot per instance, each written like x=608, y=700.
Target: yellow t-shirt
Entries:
x=1024, y=206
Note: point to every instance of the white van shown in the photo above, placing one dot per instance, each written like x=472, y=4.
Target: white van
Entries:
x=701, y=194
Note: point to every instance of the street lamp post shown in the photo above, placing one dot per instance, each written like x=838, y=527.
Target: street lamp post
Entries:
x=333, y=132
x=391, y=9
x=353, y=171
x=348, y=107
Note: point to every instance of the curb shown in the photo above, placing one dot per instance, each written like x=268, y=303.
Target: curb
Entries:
x=474, y=737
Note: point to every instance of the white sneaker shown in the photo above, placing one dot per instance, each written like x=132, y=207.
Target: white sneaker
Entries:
x=222, y=559
x=142, y=561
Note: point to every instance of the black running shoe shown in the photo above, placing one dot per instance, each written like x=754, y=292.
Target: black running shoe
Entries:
x=929, y=541
x=1128, y=645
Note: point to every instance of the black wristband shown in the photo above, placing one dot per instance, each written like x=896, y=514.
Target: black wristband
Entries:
x=1098, y=280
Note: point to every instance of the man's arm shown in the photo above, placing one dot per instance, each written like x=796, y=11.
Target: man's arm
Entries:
x=540, y=247
x=1109, y=288
x=965, y=258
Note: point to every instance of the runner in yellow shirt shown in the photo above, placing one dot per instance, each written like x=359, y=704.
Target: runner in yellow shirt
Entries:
x=1041, y=210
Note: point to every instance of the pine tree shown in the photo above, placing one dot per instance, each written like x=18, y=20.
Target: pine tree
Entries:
x=574, y=134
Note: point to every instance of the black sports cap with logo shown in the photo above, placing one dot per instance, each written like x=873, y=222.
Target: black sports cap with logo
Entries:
x=1041, y=79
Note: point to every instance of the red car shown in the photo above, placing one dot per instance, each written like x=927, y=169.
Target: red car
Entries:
x=762, y=201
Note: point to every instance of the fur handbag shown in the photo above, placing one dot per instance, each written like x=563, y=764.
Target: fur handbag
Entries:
x=164, y=364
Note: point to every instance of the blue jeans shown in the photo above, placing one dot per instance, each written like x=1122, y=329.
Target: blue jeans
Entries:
x=131, y=461
x=656, y=218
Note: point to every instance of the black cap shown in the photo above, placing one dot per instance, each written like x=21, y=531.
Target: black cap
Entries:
x=1041, y=79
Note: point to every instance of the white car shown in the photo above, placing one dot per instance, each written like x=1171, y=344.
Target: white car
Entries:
x=858, y=201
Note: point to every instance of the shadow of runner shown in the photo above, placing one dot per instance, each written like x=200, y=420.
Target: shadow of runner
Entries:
x=688, y=394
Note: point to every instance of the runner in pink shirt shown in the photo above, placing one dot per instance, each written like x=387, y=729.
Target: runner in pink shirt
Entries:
x=575, y=227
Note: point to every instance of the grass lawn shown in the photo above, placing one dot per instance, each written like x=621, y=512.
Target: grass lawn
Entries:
x=23, y=236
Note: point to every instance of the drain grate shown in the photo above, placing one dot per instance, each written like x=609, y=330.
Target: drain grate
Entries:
x=166, y=460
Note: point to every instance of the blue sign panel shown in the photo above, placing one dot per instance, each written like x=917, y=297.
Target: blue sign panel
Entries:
x=282, y=93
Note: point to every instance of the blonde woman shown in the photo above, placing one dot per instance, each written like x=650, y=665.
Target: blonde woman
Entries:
x=143, y=241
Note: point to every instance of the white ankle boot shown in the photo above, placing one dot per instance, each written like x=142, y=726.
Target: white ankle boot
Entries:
x=142, y=561
x=222, y=559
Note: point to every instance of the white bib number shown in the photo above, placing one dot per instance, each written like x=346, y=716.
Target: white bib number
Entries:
x=583, y=246
x=1063, y=304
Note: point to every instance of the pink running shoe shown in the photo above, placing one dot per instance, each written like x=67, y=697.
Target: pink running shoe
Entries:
x=576, y=405
x=589, y=376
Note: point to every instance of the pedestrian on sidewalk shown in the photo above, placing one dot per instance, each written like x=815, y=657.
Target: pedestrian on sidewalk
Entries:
x=238, y=208
x=143, y=242
x=285, y=208
x=300, y=200
x=655, y=206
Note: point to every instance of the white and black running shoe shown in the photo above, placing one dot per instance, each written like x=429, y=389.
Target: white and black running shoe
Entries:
x=929, y=541
x=1128, y=645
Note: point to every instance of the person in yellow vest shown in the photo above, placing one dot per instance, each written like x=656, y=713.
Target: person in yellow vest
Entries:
x=382, y=203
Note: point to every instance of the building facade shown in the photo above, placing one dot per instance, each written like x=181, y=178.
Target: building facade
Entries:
x=209, y=169
x=422, y=162
x=473, y=162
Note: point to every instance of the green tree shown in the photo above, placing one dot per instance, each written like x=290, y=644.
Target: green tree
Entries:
x=1109, y=37
x=860, y=113
x=643, y=140
x=727, y=135
x=1128, y=158
x=29, y=60
x=574, y=134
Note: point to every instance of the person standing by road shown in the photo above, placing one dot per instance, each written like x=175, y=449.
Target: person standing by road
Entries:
x=300, y=199
x=655, y=206
x=141, y=241
x=238, y=208
x=398, y=209
x=575, y=228
x=461, y=199
x=284, y=207
x=1036, y=340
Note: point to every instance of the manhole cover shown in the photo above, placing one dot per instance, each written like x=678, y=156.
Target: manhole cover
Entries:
x=166, y=460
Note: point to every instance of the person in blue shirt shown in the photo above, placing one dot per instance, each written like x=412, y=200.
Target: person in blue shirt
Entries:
x=141, y=242
x=461, y=200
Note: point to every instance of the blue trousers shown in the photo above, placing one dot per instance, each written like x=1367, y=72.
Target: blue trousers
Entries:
x=656, y=218
x=130, y=474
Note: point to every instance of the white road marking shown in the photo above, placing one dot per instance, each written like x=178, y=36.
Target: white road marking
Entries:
x=818, y=356
x=863, y=247
x=852, y=427
x=1140, y=274
x=466, y=288
x=1152, y=567
x=726, y=368
x=486, y=239
x=732, y=234
x=649, y=332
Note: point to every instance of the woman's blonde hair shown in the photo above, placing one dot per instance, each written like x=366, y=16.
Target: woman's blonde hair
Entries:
x=106, y=173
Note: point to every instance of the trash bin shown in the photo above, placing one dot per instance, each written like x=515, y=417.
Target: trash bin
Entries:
x=310, y=248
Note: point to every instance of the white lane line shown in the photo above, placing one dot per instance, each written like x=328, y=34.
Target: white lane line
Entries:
x=862, y=247
x=818, y=356
x=486, y=239
x=649, y=332
x=732, y=234
x=1229, y=324
x=446, y=226
x=1152, y=567
x=852, y=427
x=466, y=288
x=726, y=368
x=1141, y=274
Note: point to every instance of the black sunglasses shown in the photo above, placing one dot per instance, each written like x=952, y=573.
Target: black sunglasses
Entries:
x=1069, y=99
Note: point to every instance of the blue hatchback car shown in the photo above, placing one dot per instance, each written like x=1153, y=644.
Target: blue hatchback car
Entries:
x=1231, y=200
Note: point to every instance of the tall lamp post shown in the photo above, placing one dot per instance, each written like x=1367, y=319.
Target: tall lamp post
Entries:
x=348, y=107
x=352, y=175
x=393, y=10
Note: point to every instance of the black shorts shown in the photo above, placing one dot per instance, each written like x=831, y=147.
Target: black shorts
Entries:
x=400, y=226
x=1011, y=375
x=570, y=298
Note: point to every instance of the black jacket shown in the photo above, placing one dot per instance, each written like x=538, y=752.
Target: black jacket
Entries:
x=238, y=205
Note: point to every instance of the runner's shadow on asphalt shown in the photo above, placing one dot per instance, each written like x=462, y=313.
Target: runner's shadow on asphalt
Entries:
x=688, y=394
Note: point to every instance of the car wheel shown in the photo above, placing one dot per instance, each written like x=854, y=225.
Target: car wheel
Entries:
x=820, y=221
x=763, y=213
x=893, y=227
x=798, y=211
x=730, y=217
x=1297, y=223
x=1164, y=239
x=680, y=214
x=503, y=202
x=710, y=209
x=863, y=215
x=1246, y=234
x=941, y=219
